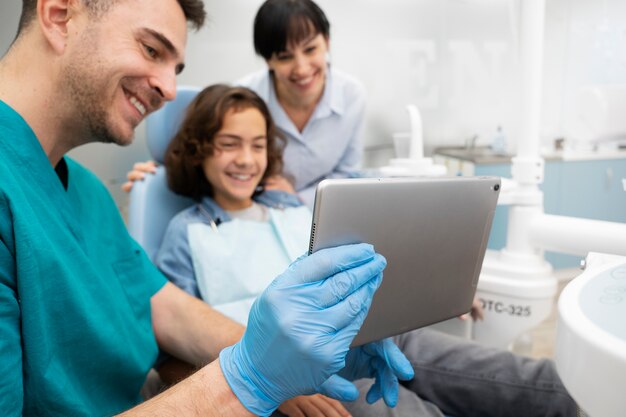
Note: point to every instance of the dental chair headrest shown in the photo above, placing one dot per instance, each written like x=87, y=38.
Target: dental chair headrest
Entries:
x=162, y=125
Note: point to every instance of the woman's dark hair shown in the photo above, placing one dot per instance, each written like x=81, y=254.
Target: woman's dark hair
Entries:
x=279, y=23
x=195, y=138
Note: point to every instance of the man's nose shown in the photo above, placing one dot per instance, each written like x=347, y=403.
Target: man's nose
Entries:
x=165, y=84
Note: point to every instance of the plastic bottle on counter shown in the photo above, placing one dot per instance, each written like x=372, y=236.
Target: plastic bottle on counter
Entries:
x=498, y=144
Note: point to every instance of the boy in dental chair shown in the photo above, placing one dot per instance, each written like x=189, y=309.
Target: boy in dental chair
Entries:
x=228, y=247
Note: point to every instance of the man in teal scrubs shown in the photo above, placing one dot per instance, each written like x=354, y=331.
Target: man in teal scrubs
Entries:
x=83, y=313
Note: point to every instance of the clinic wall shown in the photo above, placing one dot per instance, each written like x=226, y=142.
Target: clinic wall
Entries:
x=585, y=50
x=455, y=59
x=9, y=16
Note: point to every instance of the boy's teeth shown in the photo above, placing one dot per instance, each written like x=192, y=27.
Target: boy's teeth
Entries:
x=138, y=105
x=241, y=177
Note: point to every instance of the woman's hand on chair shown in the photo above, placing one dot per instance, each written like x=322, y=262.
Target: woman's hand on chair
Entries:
x=279, y=183
x=138, y=173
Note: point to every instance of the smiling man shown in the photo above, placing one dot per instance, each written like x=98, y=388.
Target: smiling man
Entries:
x=83, y=313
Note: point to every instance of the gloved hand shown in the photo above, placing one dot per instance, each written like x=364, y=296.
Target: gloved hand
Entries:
x=300, y=328
x=381, y=360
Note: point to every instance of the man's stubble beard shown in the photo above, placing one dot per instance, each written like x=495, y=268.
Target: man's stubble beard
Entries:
x=86, y=83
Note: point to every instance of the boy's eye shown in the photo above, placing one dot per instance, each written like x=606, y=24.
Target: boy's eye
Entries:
x=310, y=49
x=226, y=144
x=260, y=146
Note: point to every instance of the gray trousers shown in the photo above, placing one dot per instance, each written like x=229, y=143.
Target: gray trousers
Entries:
x=460, y=378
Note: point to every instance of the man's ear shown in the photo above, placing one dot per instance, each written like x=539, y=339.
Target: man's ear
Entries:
x=54, y=17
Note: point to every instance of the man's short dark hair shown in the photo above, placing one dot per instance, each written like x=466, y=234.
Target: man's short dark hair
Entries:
x=279, y=23
x=193, y=9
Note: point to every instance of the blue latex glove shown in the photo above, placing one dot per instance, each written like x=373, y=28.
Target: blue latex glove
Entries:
x=382, y=360
x=300, y=328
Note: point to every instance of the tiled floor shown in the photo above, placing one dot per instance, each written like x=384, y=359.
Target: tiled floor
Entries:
x=539, y=343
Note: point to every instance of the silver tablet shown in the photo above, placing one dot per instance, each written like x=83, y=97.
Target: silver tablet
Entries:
x=433, y=232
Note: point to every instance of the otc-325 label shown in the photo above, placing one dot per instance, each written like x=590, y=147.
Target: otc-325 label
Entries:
x=503, y=308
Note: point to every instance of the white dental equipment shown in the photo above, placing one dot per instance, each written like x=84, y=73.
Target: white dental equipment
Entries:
x=591, y=336
x=416, y=164
x=518, y=278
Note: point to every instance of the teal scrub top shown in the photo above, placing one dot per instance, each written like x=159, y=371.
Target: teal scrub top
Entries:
x=75, y=324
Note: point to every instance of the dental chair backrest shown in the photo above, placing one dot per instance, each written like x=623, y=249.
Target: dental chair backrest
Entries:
x=152, y=204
